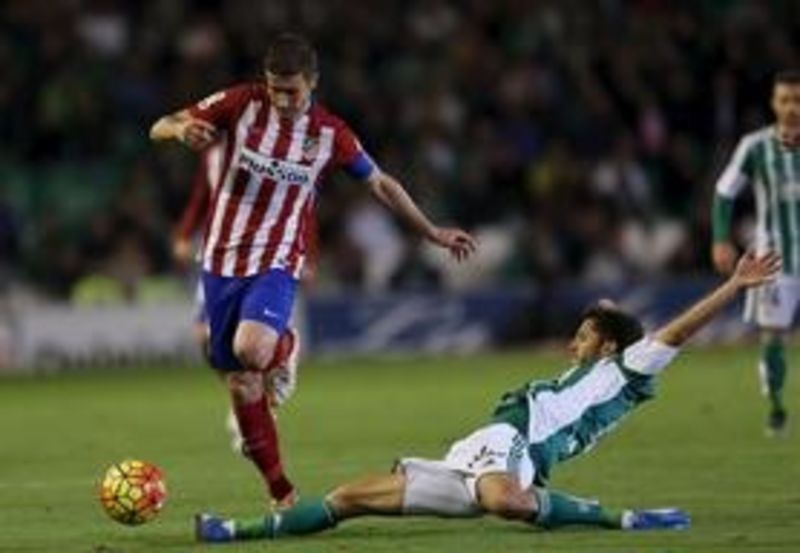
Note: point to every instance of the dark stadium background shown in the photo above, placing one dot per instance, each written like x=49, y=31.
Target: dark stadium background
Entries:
x=578, y=140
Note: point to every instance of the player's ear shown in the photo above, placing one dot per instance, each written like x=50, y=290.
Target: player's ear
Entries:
x=312, y=80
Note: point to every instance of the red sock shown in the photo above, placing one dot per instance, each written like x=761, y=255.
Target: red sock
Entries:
x=261, y=440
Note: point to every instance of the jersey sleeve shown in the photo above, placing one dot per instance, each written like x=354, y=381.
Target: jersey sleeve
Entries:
x=737, y=173
x=220, y=108
x=648, y=356
x=350, y=156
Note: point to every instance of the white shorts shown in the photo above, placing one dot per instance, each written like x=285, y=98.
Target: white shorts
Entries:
x=497, y=448
x=491, y=449
x=773, y=305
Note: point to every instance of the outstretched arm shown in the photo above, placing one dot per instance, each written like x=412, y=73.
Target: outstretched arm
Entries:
x=392, y=194
x=751, y=270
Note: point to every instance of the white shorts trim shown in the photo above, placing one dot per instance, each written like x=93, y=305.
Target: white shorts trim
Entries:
x=773, y=305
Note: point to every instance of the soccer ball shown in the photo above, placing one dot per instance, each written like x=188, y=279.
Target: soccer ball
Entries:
x=133, y=492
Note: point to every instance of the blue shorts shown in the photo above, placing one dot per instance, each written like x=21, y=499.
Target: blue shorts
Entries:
x=266, y=298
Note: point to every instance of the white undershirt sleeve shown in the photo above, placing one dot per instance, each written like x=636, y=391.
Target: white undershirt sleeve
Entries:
x=648, y=356
x=733, y=178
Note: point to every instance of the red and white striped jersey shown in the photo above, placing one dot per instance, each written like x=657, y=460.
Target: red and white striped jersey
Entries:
x=272, y=170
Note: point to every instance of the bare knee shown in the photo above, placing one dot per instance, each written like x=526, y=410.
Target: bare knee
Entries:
x=254, y=345
x=245, y=386
x=501, y=496
x=378, y=495
x=345, y=499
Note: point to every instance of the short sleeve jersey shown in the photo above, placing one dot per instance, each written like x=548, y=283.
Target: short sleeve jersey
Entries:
x=772, y=169
x=272, y=172
x=564, y=417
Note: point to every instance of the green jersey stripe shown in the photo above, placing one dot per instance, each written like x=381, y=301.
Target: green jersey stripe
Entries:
x=793, y=169
x=790, y=201
x=773, y=224
x=775, y=178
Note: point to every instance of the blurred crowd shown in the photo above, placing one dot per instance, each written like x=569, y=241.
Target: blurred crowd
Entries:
x=577, y=139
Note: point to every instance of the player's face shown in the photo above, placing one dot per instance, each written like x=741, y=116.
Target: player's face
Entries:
x=290, y=94
x=588, y=344
x=786, y=105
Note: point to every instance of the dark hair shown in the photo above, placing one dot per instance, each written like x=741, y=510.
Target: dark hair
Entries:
x=787, y=76
x=290, y=54
x=615, y=325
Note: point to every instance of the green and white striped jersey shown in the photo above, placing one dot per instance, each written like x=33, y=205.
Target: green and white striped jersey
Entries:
x=565, y=417
x=773, y=170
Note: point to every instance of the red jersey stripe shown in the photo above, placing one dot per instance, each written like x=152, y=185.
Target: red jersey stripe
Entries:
x=264, y=198
x=241, y=180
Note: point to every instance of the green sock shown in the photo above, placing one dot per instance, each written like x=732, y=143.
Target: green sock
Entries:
x=558, y=509
x=307, y=517
x=772, y=355
x=251, y=529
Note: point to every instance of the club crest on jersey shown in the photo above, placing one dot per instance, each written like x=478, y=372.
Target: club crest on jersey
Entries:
x=310, y=149
x=277, y=170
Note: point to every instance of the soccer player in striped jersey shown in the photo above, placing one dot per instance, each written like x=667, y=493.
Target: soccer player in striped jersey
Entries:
x=503, y=467
x=280, y=145
x=281, y=379
x=769, y=161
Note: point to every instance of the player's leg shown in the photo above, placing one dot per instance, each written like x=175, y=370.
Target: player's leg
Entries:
x=280, y=383
x=201, y=332
x=200, y=336
x=282, y=372
x=235, y=345
x=259, y=431
x=771, y=307
x=371, y=495
x=264, y=313
x=500, y=494
x=416, y=487
x=772, y=373
x=501, y=480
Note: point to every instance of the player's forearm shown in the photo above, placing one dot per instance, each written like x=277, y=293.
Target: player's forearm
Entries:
x=168, y=127
x=392, y=194
x=698, y=315
x=721, y=216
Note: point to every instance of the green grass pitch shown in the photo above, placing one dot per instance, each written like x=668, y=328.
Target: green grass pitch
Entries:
x=700, y=445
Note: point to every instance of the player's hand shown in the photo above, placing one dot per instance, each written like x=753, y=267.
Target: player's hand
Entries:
x=724, y=255
x=196, y=133
x=752, y=269
x=460, y=243
x=182, y=251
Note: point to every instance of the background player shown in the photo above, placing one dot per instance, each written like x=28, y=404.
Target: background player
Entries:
x=192, y=222
x=503, y=468
x=280, y=144
x=769, y=160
